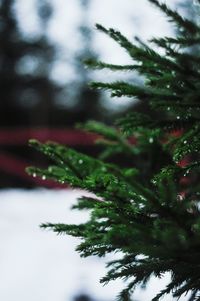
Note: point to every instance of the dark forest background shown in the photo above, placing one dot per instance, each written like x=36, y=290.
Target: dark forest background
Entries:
x=30, y=99
x=32, y=105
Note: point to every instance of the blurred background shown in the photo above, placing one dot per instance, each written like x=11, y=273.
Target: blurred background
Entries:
x=43, y=93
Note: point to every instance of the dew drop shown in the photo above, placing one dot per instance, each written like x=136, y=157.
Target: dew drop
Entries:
x=141, y=206
x=180, y=197
x=177, y=117
x=153, y=215
x=151, y=140
x=142, y=198
x=185, y=142
x=116, y=181
x=80, y=161
x=186, y=173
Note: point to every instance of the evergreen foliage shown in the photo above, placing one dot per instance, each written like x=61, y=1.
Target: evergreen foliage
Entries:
x=145, y=208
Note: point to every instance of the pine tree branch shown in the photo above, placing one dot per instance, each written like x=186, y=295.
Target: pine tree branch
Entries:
x=189, y=26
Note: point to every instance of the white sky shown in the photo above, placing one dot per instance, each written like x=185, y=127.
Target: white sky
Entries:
x=131, y=17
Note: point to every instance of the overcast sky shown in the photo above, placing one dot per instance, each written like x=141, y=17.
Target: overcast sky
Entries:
x=131, y=17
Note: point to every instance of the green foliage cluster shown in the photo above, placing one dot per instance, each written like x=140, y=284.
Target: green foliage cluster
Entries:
x=145, y=208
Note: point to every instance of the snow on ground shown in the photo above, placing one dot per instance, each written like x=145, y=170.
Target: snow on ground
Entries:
x=38, y=265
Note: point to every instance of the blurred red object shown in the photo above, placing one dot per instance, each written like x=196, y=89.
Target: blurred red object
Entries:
x=15, y=166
